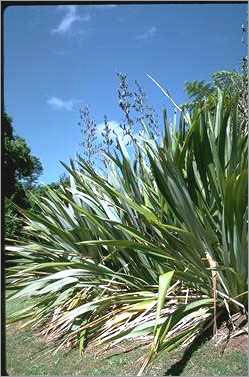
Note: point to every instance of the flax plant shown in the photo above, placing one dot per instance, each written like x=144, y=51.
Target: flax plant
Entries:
x=155, y=251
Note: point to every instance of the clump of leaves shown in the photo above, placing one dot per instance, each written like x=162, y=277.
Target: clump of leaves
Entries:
x=156, y=250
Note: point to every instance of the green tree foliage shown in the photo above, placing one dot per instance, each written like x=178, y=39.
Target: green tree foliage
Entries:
x=235, y=84
x=20, y=172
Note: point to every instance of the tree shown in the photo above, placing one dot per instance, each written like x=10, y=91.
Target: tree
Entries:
x=235, y=85
x=20, y=172
x=19, y=165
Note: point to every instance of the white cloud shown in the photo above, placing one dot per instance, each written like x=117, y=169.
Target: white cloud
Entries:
x=59, y=104
x=69, y=19
x=148, y=34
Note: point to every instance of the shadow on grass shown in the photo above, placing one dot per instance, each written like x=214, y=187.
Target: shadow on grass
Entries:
x=177, y=368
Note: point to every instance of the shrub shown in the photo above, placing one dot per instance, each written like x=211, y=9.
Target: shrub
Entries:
x=156, y=250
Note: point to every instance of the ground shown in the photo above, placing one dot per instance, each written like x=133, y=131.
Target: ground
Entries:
x=28, y=355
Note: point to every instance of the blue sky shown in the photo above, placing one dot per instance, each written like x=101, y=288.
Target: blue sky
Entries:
x=58, y=57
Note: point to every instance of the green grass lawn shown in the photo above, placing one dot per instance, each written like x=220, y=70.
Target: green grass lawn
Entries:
x=28, y=355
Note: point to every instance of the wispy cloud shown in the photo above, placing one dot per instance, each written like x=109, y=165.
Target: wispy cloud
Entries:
x=107, y=6
x=60, y=104
x=150, y=33
x=69, y=19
